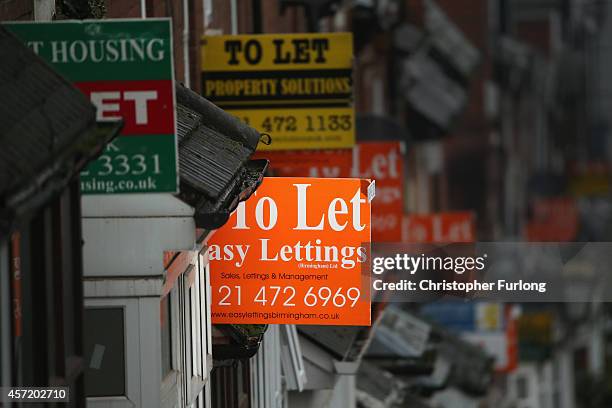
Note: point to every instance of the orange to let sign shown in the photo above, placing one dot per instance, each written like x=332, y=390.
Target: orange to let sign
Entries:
x=295, y=253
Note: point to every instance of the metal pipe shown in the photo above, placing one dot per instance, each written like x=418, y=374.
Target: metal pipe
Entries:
x=186, y=72
x=44, y=10
x=234, y=16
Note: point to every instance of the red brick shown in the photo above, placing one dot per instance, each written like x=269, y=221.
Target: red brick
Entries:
x=16, y=10
x=122, y=9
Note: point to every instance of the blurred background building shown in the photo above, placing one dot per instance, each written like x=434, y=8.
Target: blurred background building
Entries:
x=503, y=109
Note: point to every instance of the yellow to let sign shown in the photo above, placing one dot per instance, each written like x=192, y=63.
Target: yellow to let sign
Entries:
x=297, y=88
x=302, y=126
x=277, y=52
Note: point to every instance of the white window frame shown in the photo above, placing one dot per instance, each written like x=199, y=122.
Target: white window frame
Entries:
x=185, y=318
x=292, y=358
x=172, y=384
x=191, y=336
x=206, y=317
x=132, y=354
x=195, y=318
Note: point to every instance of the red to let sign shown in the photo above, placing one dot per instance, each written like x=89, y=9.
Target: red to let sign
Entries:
x=295, y=253
x=439, y=228
x=554, y=219
x=383, y=162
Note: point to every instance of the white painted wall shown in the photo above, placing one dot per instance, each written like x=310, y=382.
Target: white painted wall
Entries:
x=126, y=235
x=344, y=393
x=341, y=395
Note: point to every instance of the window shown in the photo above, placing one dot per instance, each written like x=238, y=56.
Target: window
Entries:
x=194, y=307
x=104, y=352
x=231, y=385
x=114, y=359
x=171, y=352
x=185, y=337
x=522, y=391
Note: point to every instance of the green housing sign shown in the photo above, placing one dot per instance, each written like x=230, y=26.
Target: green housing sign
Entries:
x=126, y=69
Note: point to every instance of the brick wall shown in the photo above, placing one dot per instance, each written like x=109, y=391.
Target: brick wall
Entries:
x=122, y=8
x=221, y=16
x=292, y=20
x=370, y=70
x=196, y=28
x=16, y=10
x=536, y=33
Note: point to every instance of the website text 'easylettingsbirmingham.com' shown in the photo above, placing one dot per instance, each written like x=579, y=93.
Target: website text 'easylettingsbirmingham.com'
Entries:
x=278, y=315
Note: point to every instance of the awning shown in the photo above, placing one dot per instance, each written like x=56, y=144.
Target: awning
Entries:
x=378, y=388
x=400, y=344
x=449, y=40
x=237, y=341
x=341, y=347
x=341, y=341
x=215, y=169
x=48, y=130
x=472, y=368
x=430, y=91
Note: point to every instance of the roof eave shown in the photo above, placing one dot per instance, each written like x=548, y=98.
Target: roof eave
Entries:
x=214, y=216
x=52, y=180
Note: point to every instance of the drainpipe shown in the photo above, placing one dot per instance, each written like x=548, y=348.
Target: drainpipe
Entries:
x=234, y=16
x=257, y=18
x=207, y=14
x=143, y=8
x=44, y=10
x=186, y=76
